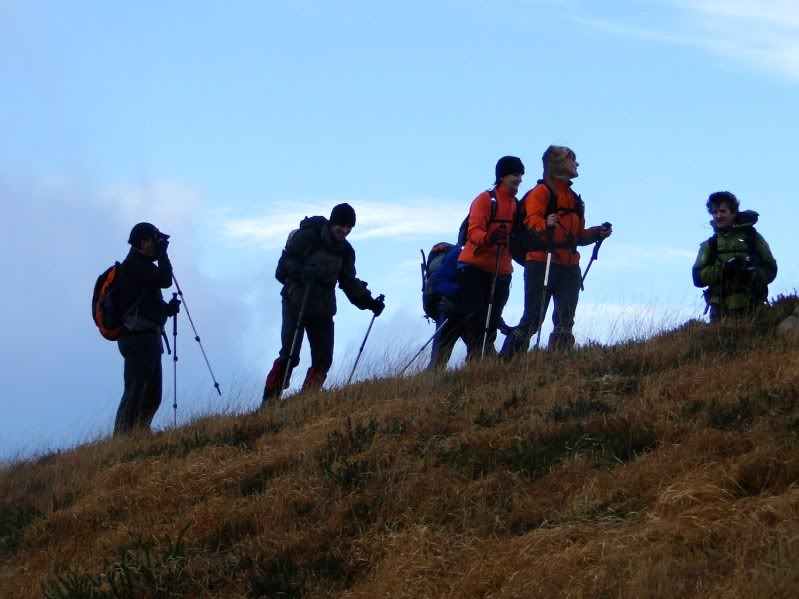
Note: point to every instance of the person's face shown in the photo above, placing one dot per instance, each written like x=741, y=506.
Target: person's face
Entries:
x=511, y=182
x=340, y=232
x=723, y=217
x=148, y=247
x=570, y=167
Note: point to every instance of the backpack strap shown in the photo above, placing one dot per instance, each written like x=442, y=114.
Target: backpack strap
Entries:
x=493, y=196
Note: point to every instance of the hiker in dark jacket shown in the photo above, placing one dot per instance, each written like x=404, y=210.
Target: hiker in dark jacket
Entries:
x=564, y=229
x=317, y=256
x=735, y=264
x=144, y=314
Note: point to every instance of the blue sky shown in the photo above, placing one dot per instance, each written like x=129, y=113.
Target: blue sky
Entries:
x=226, y=123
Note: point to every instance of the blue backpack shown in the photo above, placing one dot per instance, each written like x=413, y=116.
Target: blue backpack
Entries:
x=439, y=268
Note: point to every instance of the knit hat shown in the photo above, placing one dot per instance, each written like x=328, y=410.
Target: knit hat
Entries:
x=343, y=214
x=141, y=232
x=508, y=165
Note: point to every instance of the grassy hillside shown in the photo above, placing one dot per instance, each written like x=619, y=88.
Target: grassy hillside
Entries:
x=664, y=468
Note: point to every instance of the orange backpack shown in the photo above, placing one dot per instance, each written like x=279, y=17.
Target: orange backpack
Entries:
x=105, y=304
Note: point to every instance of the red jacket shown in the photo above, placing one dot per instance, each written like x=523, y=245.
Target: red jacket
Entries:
x=477, y=250
x=570, y=231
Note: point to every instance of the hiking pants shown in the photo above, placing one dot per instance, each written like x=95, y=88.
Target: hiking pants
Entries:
x=142, y=374
x=320, y=336
x=564, y=286
x=475, y=298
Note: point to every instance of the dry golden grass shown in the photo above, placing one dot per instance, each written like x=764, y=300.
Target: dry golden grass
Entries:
x=664, y=468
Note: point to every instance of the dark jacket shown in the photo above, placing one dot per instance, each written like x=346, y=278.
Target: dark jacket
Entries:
x=313, y=243
x=140, y=284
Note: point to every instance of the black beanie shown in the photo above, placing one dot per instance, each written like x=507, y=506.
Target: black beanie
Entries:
x=343, y=214
x=142, y=231
x=508, y=165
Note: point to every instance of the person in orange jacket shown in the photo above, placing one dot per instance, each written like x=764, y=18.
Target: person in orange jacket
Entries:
x=564, y=230
x=485, y=255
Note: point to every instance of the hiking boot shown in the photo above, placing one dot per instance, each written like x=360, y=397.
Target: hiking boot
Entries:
x=274, y=379
x=314, y=379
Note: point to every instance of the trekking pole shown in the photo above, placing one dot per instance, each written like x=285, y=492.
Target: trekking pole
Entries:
x=196, y=336
x=175, y=363
x=491, y=299
x=446, y=320
x=543, y=311
x=380, y=298
x=297, y=330
x=594, y=256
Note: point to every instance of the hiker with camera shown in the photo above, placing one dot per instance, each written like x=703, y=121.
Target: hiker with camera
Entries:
x=554, y=221
x=735, y=263
x=142, y=275
x=484, y=264
x=317, y=256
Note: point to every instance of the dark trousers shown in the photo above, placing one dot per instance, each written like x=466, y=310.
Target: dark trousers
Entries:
x=142, y=395
x=320, y=336
x=475, y=295
x=449, y=331
x=564, y=287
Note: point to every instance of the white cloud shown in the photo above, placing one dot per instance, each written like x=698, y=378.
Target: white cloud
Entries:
x=412, y=218
x=761, y=33
x=165, y=202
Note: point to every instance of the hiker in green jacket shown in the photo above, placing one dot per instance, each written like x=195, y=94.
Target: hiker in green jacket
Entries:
x=735, y=264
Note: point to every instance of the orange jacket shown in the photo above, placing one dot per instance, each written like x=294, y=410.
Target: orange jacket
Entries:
x=570, y=231
x=477, y=250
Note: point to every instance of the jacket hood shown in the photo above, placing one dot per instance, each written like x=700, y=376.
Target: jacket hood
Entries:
x=743, y=220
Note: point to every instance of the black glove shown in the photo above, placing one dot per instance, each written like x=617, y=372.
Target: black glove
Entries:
x=498, y=237
x=173, y=307
x=310, y=273
x=377, y=305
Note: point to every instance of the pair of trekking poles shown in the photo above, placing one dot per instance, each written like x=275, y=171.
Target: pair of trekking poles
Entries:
x=544, y=292
x=175, y=350
x=298, y=331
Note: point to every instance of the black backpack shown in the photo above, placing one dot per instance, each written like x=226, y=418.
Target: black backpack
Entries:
x=315, y=222
x=523, y=240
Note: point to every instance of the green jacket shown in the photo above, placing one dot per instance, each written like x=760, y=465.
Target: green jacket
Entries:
x=739, y=291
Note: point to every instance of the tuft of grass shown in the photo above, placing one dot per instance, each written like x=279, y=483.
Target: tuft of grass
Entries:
x=140, y=572
x=14, y=519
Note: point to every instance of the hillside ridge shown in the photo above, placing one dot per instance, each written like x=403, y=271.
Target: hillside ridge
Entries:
x=666, y=467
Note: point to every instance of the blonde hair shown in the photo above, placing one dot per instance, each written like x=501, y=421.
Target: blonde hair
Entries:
x=553, y=160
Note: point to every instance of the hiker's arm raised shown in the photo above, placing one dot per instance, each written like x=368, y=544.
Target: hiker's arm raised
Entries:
x=144, y=275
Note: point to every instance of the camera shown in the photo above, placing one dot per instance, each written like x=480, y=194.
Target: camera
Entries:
x=161, y=242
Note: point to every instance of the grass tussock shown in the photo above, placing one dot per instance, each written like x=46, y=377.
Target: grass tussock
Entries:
x=666, y=467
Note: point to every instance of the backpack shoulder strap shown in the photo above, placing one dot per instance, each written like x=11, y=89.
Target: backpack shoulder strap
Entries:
x=552, y=202
x=751, y=241
x=712, y=248
x=493, y=197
